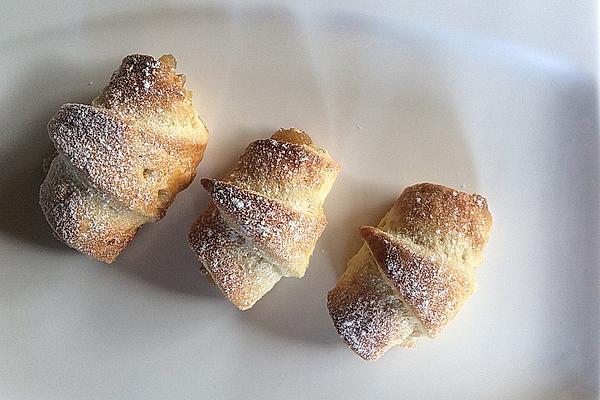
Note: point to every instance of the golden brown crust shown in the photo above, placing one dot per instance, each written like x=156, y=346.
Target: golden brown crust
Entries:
x=287, y=167
x=443, y=220
x=424, y=250
x=135, y=147
x=144, y=87
x=272, y=200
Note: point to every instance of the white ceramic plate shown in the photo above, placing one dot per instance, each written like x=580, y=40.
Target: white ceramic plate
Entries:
x=395, y=105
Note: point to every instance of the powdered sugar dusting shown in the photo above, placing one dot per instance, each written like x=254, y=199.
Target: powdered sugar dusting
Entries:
x=272, y=200
x=284, y=234
x=83, y=217
x=294, y=173
x=424, y=250
x=431, y=287
x=123, y=152
x=98, y=144
x=142, y=86
x=442, y=220
x=231, y=261
x=366, y=312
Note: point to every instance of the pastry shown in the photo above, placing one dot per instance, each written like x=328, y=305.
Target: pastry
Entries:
x=265, y=216
x=413, y=272
x=121, y=160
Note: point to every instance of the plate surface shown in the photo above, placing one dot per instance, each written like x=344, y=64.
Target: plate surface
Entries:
x=395, y=104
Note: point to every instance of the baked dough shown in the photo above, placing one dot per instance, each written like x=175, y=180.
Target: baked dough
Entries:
x=122, y=160
x=265, y=216
x=413, y=272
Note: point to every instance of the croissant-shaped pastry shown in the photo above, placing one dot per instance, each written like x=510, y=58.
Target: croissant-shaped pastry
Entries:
x=265, y=217
x=414, y=271
x=122, y=160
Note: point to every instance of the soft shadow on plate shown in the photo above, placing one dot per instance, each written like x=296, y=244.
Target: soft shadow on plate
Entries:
x=159, y=253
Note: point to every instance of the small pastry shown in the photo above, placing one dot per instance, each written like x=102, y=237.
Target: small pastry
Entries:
x=265, y=216
x=121, y=160
x=413, y=272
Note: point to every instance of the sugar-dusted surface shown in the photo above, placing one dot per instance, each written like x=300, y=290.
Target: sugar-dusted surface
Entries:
x=136, y=147
x=84, y=218
x=144, y=86
x=299, y=174
x=127, y=163
x=99, y=145
x=287, y=236
x=271, y=201
x=428, y=285
x=443, y=220
x=367, y=312
x=148, y=91
x=422, y=255
x=231, y=261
